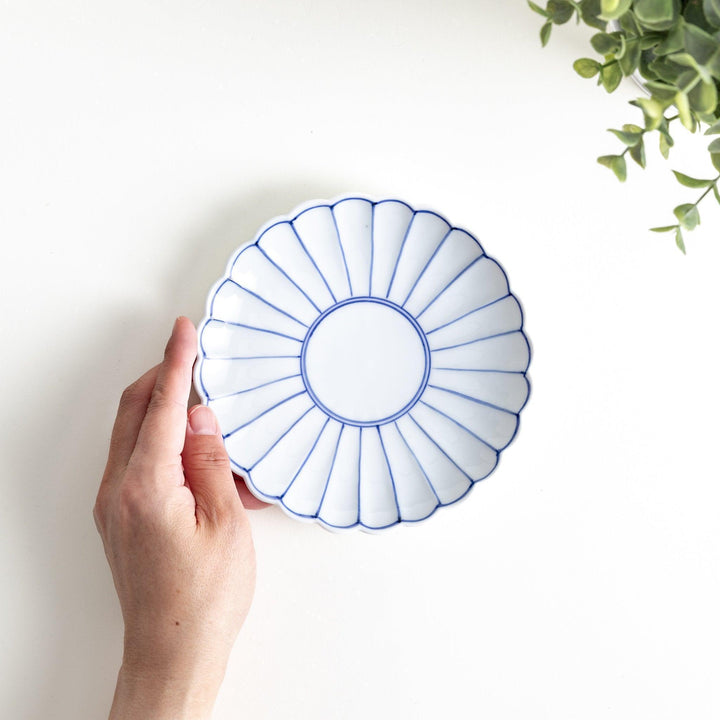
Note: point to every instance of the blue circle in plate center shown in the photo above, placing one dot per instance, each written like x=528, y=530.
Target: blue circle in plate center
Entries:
x=408, y=327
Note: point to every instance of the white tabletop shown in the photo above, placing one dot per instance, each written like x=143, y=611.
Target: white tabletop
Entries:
x=141, y=143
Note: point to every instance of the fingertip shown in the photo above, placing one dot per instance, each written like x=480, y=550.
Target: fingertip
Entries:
x=182, y=343
x=184, y=321
x=183, y=328
x=202, y=421
x=163, y=430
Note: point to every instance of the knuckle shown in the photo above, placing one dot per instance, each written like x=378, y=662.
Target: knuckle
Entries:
x=100, y=508
x=131, y=396
x=99, y=515
x=209, y=458
x=161, y=400
x=132, y=501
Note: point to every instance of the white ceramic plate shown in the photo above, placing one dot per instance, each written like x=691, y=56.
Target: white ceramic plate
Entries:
x=366, y=362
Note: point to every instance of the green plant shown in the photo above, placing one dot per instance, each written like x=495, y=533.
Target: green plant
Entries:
x=674, y=48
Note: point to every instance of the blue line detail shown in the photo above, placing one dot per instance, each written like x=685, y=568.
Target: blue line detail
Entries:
x=267, y=302
x=477, y=340
x=469, y=312
x=437, y=445
x=267, y=452
x=312, y=260
x=378, y=421
x=257, y=329
x=397, y=259
x=256, y=387
x=302, y=465
x=392, y=479
x=332, y=465
x=264, y=412
x=460, y=425
x=372, y=246
x=472, y=399
x=462, y=272
x=418, y=463
x=342, y=249
x=249, y=357
x=427, y=265
x=274, y=264
x=485, y=370
x=359, y=473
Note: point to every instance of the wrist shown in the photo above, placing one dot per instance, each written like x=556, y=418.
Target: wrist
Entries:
x=161, y=693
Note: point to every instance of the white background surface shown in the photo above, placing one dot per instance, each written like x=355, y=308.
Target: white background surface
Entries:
x=140, y=143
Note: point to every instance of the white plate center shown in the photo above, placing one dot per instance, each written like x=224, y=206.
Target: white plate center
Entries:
x=365, y=361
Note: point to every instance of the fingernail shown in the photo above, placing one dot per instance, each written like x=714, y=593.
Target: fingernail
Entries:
x=202, y=421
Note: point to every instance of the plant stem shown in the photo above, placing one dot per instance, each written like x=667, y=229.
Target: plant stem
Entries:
x=707, y=190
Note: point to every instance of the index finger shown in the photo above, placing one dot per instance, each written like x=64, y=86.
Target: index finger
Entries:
x=162, y=434
x=130, y=415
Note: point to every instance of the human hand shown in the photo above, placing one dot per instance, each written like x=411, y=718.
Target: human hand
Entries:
x=178, y=542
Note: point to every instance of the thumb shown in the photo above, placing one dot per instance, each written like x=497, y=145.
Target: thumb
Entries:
x=207, y=468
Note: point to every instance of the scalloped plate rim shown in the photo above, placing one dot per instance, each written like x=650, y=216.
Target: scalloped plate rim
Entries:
x=243, y=472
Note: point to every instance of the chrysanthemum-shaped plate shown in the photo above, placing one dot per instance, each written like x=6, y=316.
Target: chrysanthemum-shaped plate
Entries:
x=366, y=362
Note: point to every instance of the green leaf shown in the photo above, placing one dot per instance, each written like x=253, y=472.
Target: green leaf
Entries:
x=716, y=192
x=698, y=43
x=687, y=215
x=664, y=228
x=664, y=128
x=560, y=11
x=616, y=163
x=627, y=138
x=656, y=14
x=703, y=97
x=683, y=105
x=714, y=150
x=604, y=43
x=705, y=117
x=545, y=31
x=590, y=13
x=666, y=142
x=704, y=48
x=687, y=81
x=629, y=25
x=692, y=12
x=586, y=67
x=645, y=68
x=620, y=52
x=664, y=68
x=610, y=76
x=637, y=153
x=691, y=182
x=714, y=129
x=661, y=91
x=672, y=41
x=651, y=40
x=679, y=240
x=687, y=60
x=711, y=8
x=537, y=9
x=613, y=9
x=630, y=59
x=652, y=110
